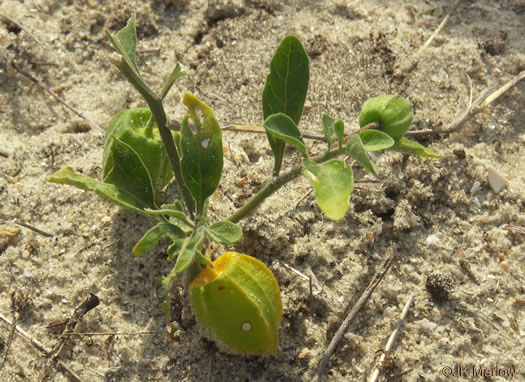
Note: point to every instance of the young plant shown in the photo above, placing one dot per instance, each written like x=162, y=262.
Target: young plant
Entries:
x=236, y=296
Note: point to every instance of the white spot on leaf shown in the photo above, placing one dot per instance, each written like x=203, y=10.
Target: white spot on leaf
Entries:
x=246, y=326
x=312, y=177
x=205, y=143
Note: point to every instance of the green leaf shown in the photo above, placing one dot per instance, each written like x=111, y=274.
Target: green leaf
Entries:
x=328, y=124
x=125, y=42
x=407, y=146
x=285, y=89
x=174, y=76
x=356, y=149
x=174, y=249
x=375, y=140
x=177, y=218
x=340, y=131
x=152, y=237
x=333, y=130
x=225, y=232
x=280, y=126
x=332, y=182
x=190, y=252
x=287, y=84
x=122, y=198
x=130, y=173
x=175, y=206
x=202, y=153
x=130, y=127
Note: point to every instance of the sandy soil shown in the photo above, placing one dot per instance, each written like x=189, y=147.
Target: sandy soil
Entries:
x=446, y=233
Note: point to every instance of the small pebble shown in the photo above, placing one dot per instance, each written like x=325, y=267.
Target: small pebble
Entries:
x=475, y=188
x=497, y=181
x=459, y=153
x=305, y=352
x=432, y=239
x=426, y=324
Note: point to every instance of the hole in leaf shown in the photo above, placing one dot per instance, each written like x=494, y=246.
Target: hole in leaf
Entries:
x=200, y=115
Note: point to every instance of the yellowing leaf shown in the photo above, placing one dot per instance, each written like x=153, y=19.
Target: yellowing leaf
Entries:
x=238, y=298
x=332, y=182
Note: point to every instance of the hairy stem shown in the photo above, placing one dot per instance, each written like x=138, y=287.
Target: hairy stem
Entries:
x=157, y=109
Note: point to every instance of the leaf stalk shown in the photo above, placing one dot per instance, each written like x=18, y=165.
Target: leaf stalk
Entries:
x=277, y=183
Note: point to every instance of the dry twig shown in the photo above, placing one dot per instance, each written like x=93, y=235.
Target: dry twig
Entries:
x=13, y=21
x=120, y=334
x=306, y=194
x=90, y=303
x=12, y=331
x=391, y=340
x=43, y=233
x=353, y=313
x=40, y=347
x=311, y=279
x=52, y=94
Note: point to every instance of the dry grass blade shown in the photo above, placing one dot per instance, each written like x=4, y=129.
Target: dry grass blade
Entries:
x=391, y=339
x=488, y=96
x=307, y=194
x=440, y=27
x=492, y=97
x=431, y=38
x=311, y=279
x=242, y=128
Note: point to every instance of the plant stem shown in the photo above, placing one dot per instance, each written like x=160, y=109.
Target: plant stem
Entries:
x=157, y=109
x=277, y=183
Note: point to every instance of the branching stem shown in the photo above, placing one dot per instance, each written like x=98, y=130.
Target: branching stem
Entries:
x=280, y=181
